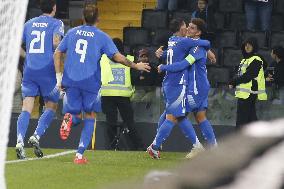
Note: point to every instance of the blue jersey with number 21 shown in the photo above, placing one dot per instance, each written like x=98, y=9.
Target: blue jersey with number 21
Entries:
x=84, y=46
x=38, y=38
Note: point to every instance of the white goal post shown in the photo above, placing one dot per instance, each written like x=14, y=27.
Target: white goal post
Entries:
x=12, y=19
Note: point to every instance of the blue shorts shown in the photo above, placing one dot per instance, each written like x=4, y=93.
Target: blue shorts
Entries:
x=76, y=100
x=197, y=103
x=44, y=86
x=175, y=99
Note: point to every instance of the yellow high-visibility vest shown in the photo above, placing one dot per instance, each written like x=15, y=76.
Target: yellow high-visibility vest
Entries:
x=244, y=90
x=116, y=79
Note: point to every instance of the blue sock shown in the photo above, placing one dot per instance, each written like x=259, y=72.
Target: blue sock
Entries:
x=44, y=122
x=86, y=135
x=163, y=133
x=75, y=120
x=22, y=126
x=208, y=132
x=188, y=130
x=161, y=120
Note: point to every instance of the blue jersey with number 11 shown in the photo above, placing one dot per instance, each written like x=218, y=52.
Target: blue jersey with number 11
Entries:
x=38, y=38
x=85, y=46
x=178, y=49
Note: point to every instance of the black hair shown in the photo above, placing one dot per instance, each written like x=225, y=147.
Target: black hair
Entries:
x=206, y=1
x=253, y=42
x=90, y=13
x=279, y=52
x=176, y=24
x=46, y=6
x=119, y=44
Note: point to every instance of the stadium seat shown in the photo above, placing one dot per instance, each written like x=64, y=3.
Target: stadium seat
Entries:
x=218, y=75
x=230, y=6
x=75, y=10
x=237, y=21
x=62, y=9
x=220, y=20
x=276, y=39
x=265, y=53
x=260, y=36
x=279, y=6
x=226, y=39
x=277, y=22
x=191, y=5
x=153, y=19
x=135, y=36
x=185, y=15
x=160, y=37
x=231, y=57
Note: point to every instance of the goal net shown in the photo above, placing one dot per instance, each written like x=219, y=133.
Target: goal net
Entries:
x=11, y=28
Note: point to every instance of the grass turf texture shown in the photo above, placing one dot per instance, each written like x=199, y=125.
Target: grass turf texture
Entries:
x=104, y=168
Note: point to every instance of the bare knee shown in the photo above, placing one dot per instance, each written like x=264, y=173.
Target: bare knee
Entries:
x=28, y=104
x=200, y=117
x=51, y=105
x=171, y=118
x=91, y=115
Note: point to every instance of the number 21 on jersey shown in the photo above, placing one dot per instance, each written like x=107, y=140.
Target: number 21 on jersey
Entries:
x=39, y=38
x=81, y=49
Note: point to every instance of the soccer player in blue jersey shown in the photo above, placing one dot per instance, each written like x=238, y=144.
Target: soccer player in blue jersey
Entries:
x=84, y=46
x=198, y=85
x=174, y=89
x=41, y=37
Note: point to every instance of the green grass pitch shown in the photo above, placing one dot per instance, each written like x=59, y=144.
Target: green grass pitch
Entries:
x=104, y=168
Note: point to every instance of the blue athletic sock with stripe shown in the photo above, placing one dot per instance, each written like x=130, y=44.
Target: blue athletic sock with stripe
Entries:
x=86, y=135
x=22, y=126
x=44, y=122
x=161, y=120
x=208, y=132
x=188, y=130
x=163, y=134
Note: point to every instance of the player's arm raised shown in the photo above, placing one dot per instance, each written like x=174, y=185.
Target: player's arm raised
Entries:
x=118, y=57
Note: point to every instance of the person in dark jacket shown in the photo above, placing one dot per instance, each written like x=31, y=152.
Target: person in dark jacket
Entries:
x=206, y=13
x=277, y=54
x=277, y=77
x=145, y=83
x=250, y=83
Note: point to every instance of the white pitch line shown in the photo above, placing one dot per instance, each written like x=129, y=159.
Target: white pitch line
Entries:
x=44, y=157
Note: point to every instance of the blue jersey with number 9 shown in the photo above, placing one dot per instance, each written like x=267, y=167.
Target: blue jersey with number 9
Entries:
x=84, y=46
x=38, y=39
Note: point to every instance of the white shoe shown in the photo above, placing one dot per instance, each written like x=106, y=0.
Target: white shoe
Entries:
x=155, y=154
x=195, y=151
x=21, y=154
x=33, y=141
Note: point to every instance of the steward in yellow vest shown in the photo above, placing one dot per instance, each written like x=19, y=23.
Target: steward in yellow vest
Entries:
x=116, y=91
x=250, y=83
x=116, y=79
